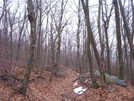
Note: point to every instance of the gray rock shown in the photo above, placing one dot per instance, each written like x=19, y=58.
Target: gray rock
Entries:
x=96, y=72
x=117, y=81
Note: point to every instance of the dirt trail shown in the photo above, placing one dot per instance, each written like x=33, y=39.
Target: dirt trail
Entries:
x=59, y=89
x=63, y=88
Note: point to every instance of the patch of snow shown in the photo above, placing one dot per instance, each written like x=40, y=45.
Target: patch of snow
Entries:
x=86, y=81
x=77, y=74
x=75, y=84
x=79, y=90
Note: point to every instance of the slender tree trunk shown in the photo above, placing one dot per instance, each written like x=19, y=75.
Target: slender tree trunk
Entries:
x=106, y=21
x=131, y=69
x=119, y=43
x=32, y=20
x=78, y=65
x=52, y=52
x=132, y=6
x=11, y=41
x=108, y=52
x=102, y=44
x=90, y=39
x=6, y=41
x=21, y=28
x=38, y=59
x=59, y=31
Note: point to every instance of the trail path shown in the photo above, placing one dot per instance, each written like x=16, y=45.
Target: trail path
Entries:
x=58, y=90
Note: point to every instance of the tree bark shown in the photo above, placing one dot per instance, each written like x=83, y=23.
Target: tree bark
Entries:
x=102, y=44
x=32, y=20
x=38, y=57
x=131, y=69
x=90, y=39
x=78, y=64
x=59, y=32
x=21, y=28
x=106, y=21
x=119, y=43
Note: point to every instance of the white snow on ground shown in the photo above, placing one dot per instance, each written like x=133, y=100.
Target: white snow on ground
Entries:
x=75, y=84
x=77, y=74
x=79, y=90
x=86, y=81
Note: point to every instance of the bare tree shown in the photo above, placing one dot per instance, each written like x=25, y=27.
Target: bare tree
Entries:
x=6, y=41
x=59, y=28
x=39, y=31
x=131, y=68
x=101, y=37
x=52, y=50
x=32, y=20
x=12, y=17
x=78, y=64
x=1, y=16
x=90, y=39
x=21, y=28
x=132, y=6
x=119, y=43
x=106, y=20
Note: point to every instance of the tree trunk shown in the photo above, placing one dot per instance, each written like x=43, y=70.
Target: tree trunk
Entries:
x=6, y=41
x=78, y=65
x=59, y=32
x=38, y=59
x=102, y=44
x=119, y=43
x=21, y=28
x=90, y=39
x=52, y=51
x=32, y=20
x=132, y=6
x=106, y=21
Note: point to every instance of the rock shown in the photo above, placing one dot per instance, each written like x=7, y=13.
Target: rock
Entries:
x=121, y=82
x=117, y=81
x=107, y=75
x=96, y=72
x=111, y=79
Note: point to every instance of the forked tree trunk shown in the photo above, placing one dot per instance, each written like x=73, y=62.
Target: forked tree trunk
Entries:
x=59, y=32
x=90, y=39
x=32, y=20
x=106, y=20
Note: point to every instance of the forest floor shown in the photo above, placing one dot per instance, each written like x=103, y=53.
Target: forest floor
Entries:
x=60, y=89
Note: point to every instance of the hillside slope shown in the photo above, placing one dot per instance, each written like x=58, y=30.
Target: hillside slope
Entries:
x=40, y=89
